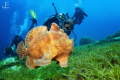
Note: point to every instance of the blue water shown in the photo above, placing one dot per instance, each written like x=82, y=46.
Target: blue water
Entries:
x=103, y=17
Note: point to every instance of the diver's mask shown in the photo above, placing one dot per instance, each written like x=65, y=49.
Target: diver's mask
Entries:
x=69, y=24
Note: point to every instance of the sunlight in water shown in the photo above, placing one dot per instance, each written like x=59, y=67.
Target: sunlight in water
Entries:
x=78, y=3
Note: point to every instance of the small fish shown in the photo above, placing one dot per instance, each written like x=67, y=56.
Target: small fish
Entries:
x=42, y=46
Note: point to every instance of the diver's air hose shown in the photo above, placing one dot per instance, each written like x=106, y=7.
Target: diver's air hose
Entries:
x=74, y=35
x=72, y=32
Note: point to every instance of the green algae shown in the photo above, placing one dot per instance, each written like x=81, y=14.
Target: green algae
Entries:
x=95, y=61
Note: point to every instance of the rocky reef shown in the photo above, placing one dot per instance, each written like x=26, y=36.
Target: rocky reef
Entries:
x=112, y=36
x=86, y=40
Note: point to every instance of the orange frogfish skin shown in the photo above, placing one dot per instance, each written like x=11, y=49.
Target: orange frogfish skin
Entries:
x=42, y=46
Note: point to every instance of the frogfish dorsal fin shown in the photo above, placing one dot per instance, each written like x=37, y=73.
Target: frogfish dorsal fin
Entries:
x=54, y=27
x=32, y=34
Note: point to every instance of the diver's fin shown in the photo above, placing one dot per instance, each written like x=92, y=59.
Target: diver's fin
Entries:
x=33, y=14
x=54, y=27
x=21, y=50
x=33, y=33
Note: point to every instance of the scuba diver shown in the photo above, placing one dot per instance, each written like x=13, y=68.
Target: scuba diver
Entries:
x=11, y=50
x=79, y=15
x=63, y=20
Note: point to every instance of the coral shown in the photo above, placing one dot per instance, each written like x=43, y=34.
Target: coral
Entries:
x=42, y=46
x=86, y=40
x=110, y=38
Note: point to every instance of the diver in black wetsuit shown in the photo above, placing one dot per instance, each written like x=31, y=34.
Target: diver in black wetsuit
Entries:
x=79, y=15
x=63, y=20
x=11, y=50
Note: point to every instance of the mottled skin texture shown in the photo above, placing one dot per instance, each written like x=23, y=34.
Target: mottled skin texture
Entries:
x=42, y=46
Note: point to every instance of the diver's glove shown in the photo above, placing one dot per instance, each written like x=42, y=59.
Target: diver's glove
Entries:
x=34, y=21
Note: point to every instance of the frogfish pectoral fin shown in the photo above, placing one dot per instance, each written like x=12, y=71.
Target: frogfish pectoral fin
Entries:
x=42, y=61
x=21, y=50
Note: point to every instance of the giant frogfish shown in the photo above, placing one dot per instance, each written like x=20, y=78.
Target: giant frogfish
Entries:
x=42, y=46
